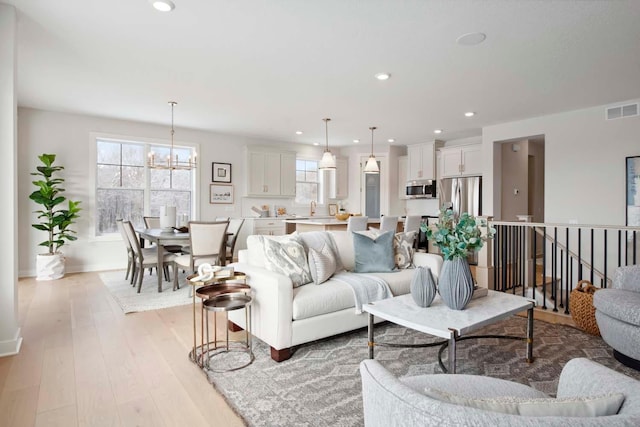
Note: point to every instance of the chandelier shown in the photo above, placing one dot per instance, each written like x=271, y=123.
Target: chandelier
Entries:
x=327, y=162
x=172, y=161
x=372, y=163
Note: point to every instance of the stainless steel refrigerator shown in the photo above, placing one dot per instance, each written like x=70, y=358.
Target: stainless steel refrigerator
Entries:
x=463, y=195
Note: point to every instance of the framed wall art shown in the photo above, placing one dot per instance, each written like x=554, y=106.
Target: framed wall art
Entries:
x=633, y=191
x=333, y=209
x=221, y=172
x=220, y=193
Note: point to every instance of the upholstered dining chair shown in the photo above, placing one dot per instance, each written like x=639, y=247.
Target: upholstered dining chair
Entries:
x=412, y=223
x=232, y=235
x=357, y=223
x=388, y=223
x=145, y=258
x=127, y=244
x=206, y=240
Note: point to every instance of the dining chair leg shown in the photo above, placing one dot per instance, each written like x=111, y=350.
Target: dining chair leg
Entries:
x=175, y=276
x=126, y=276
x=165, y=270
x=140, y=276
x=134, y=273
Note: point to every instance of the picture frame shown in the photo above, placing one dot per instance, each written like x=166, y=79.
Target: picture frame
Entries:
x=220, y=193
x=632, y=189
x=333, y=209
x=221, y=172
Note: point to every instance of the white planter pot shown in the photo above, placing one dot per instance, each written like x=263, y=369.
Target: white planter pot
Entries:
x=49, y=267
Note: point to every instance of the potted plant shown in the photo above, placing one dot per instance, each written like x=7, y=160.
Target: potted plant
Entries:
x=55, y=220
x=456, y=237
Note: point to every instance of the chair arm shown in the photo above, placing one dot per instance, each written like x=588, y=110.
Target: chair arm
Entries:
x=272, y=307
x=433, y=261
x=627, y=278
x=583, y=377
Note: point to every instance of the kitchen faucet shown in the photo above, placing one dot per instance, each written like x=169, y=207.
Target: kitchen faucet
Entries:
x=312, y=211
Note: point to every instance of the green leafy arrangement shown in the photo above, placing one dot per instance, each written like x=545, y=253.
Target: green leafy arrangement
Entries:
x=457, y=236
x=55, y=220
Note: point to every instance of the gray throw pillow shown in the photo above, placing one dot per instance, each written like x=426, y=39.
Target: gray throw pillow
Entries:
x=589, y=406
x=287, y=257
x=373, y=254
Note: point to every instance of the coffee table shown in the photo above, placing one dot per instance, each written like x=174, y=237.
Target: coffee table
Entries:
x=452, y=325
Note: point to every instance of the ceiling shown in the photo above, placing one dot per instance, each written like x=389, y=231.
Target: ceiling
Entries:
x=267, y=68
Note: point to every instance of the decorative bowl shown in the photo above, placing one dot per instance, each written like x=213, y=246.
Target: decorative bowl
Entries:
x=342, y=216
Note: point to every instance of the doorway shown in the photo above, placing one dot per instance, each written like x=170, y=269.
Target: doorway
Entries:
x=374, y=198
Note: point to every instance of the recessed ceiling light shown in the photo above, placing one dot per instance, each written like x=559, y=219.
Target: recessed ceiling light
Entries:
x=469, y=114
x=316, y=143
x=471, y=39
x=437, y=131
x=298, y=132
x=383, y=76
x=163, y=5
x=391, y=140
x=355, y=141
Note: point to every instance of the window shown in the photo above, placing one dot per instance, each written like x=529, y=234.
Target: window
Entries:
x=307, y=182
x=126, y=188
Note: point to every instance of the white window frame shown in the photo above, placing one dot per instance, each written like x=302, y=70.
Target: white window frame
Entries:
x=93, y=144
x=322, y=183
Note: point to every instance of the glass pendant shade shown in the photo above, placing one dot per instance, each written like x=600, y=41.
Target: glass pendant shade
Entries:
x=328, y=161
x=372, y=164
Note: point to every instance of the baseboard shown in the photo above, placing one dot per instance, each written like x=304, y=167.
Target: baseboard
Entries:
x=12, y=346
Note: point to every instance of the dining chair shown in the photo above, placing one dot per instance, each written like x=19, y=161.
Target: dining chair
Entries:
x=357, y=223
x=154, y=222
x=412, y=223
x=145, y=258
x=206, y=240
x=388, y=223
x=130, y=255
x=232, y=235
x=222, y=218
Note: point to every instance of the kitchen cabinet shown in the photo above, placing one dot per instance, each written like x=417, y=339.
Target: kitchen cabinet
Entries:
x=464, y=160
x=339, y=180
x=422, y=160
x=271, y=174
x=402, y=177
x=269, y=227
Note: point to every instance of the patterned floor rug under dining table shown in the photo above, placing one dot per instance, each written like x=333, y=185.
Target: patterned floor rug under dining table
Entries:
x=320, y=385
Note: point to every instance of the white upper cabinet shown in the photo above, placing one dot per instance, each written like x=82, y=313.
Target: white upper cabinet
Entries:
x=422, y=160
x=271, y=174
x=463, y=160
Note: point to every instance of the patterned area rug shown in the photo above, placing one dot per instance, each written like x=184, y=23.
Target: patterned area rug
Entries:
x=320, y=385
x=149, y=298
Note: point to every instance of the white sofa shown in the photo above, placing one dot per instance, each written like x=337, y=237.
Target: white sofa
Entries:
x=284, y=316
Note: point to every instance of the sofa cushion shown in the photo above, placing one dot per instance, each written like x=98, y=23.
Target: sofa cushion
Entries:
x=311, y=301
x=619, y=304
x=399, y=281
x=344, y=248
x=373, y=254
x=287, y=257
x=322, y=264
x=403, y=249
x=596, y=406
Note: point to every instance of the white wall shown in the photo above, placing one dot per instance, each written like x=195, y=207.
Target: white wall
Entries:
x=584, y=164
x=68, y=136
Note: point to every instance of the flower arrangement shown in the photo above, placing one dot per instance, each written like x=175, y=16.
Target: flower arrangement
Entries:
x=457, y=236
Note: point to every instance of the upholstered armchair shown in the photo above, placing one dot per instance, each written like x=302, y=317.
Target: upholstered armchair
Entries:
x=618, y=315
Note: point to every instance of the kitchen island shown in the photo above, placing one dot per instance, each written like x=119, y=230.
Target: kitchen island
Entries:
x=320, y=224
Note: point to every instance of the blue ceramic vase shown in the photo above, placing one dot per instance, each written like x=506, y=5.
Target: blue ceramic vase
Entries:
x=455, y=283
x=423, y=287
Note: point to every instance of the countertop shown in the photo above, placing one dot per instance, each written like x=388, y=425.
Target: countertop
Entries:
x=324, y=221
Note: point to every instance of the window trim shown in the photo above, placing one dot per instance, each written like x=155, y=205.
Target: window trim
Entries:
x=321, y=185
x=93, y=151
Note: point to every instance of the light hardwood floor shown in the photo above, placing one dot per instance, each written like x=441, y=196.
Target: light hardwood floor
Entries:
x=84, y=363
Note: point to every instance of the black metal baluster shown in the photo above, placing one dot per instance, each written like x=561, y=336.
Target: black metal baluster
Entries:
x=603, y=284
x=592, y=256
x=579, y=253
x=554, y=270
x=496, y=261
x=544, y=268
x=567, y=284
x=534, y=264
x=619, y=250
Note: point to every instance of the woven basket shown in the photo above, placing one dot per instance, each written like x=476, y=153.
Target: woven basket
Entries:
x=581, y=307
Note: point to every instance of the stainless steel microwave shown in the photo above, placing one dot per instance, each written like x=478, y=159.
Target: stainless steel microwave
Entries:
x=421, y=189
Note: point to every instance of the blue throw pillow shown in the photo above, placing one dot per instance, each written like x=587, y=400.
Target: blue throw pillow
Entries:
x=374, y=254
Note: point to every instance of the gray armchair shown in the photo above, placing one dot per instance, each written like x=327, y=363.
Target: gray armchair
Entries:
x=389, y=401
x=618, y=315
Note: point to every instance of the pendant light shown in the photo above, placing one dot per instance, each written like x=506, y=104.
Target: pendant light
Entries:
x=328, y=162
x=172, y=162
x=372, y=164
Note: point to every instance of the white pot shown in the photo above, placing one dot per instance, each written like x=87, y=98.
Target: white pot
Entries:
x=49, y=267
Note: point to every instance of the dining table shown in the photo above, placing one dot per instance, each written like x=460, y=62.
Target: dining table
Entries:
x=161, y=238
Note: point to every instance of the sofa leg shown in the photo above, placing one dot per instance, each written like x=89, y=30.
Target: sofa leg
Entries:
x=622, y=358
x=233, y=327
x=280, y=355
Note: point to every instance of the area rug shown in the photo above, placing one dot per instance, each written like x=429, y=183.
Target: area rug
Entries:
x=320, y=385
x=149, y=298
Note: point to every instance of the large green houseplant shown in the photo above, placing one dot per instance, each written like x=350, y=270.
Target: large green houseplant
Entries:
x=54, y=219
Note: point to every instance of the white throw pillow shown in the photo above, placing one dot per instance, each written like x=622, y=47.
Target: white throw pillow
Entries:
x=322, y=264
x=287, y=257
x=593, y=406
x=403, y=249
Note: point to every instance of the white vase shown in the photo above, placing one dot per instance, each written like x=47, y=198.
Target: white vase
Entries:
x=455, y=283
x=49, y=267
x=167, y=218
